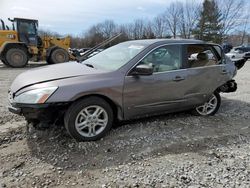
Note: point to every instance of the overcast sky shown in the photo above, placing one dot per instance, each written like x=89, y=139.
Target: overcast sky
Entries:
x=76, y=16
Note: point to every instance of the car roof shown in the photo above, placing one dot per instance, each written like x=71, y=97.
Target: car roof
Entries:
x=243, y=46
x=168, y=41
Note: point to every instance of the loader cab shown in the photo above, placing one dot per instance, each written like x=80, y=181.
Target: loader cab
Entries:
x=27, y=30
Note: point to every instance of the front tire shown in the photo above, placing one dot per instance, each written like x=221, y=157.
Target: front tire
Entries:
x=89, y=119
x=17, y=57
x=210, y=107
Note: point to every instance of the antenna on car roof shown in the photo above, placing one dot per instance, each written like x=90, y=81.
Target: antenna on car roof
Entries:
x=90, y=51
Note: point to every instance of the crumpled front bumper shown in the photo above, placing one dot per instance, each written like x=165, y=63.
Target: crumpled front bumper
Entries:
x=28, y=110
x=25, y=109
x=14, y=110
x=40, y=112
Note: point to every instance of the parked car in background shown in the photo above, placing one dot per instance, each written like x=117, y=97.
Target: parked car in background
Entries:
x=130, y=80
x=239, y=53
x=245, y=50
x=235, y=54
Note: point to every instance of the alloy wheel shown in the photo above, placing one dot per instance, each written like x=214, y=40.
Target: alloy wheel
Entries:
x=209, y=107
x=91, y=121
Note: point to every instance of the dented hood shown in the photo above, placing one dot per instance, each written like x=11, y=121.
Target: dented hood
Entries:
x=50, y=73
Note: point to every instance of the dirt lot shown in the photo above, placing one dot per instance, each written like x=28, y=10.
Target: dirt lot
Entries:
x=176, y=150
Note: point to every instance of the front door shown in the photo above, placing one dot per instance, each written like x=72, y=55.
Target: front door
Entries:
x=161, y=91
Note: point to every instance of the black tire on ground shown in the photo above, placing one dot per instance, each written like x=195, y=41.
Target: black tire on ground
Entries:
x=17, y=57
x=212, y=111
x=5, y=62
x=72, y=115
x=58, y=55
x=48, y=60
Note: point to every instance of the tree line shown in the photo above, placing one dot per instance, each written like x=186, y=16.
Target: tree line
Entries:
x=211, y=20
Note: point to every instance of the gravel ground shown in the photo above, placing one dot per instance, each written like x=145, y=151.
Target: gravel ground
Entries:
x=175, y=150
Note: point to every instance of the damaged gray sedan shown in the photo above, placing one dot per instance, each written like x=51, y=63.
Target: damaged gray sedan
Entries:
x=130, y=80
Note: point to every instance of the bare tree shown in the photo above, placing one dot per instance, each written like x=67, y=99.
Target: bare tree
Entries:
x=125, y=34
x=138, y=28
x=179, y=19
x=244, y=34
x=232, y=14
x=172, y=17
x=94, y=35
x=159, y=26
x=148, y=31
x=108, y=28
x=42, y=32
x=128, y=30
x=189, y=13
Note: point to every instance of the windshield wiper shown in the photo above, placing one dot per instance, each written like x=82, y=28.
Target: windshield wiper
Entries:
x=89, y=65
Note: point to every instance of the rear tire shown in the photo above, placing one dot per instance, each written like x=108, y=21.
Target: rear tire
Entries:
x=17, y=57
x=58, y=55
x=89, y=119
x=210, y=107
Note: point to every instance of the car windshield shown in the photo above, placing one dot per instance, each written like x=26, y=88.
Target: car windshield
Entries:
x=116, y=56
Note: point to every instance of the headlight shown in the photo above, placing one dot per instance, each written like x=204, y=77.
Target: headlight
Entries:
x=36, y=96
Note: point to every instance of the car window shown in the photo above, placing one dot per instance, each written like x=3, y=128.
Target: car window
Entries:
x=201, y=55
x=116, y=56
x=165, y=58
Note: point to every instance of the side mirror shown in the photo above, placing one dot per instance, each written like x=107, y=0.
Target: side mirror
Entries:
x=144, y=70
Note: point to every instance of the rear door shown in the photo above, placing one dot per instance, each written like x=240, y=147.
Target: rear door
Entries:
x=205, y=72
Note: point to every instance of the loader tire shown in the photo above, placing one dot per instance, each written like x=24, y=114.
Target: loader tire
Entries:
x=49, y=61
x=17, y=57
x=5, y=63
x=58, y=55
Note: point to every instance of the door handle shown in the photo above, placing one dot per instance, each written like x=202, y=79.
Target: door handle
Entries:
x=178, y=78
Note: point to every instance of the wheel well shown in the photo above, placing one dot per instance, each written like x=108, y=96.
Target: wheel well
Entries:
x=12, y=45
x=116, y=110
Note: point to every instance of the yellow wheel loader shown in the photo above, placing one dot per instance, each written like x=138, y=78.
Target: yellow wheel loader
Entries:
x=22, y=43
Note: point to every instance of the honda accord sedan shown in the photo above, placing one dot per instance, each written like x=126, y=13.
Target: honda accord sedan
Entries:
x=130, y=80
